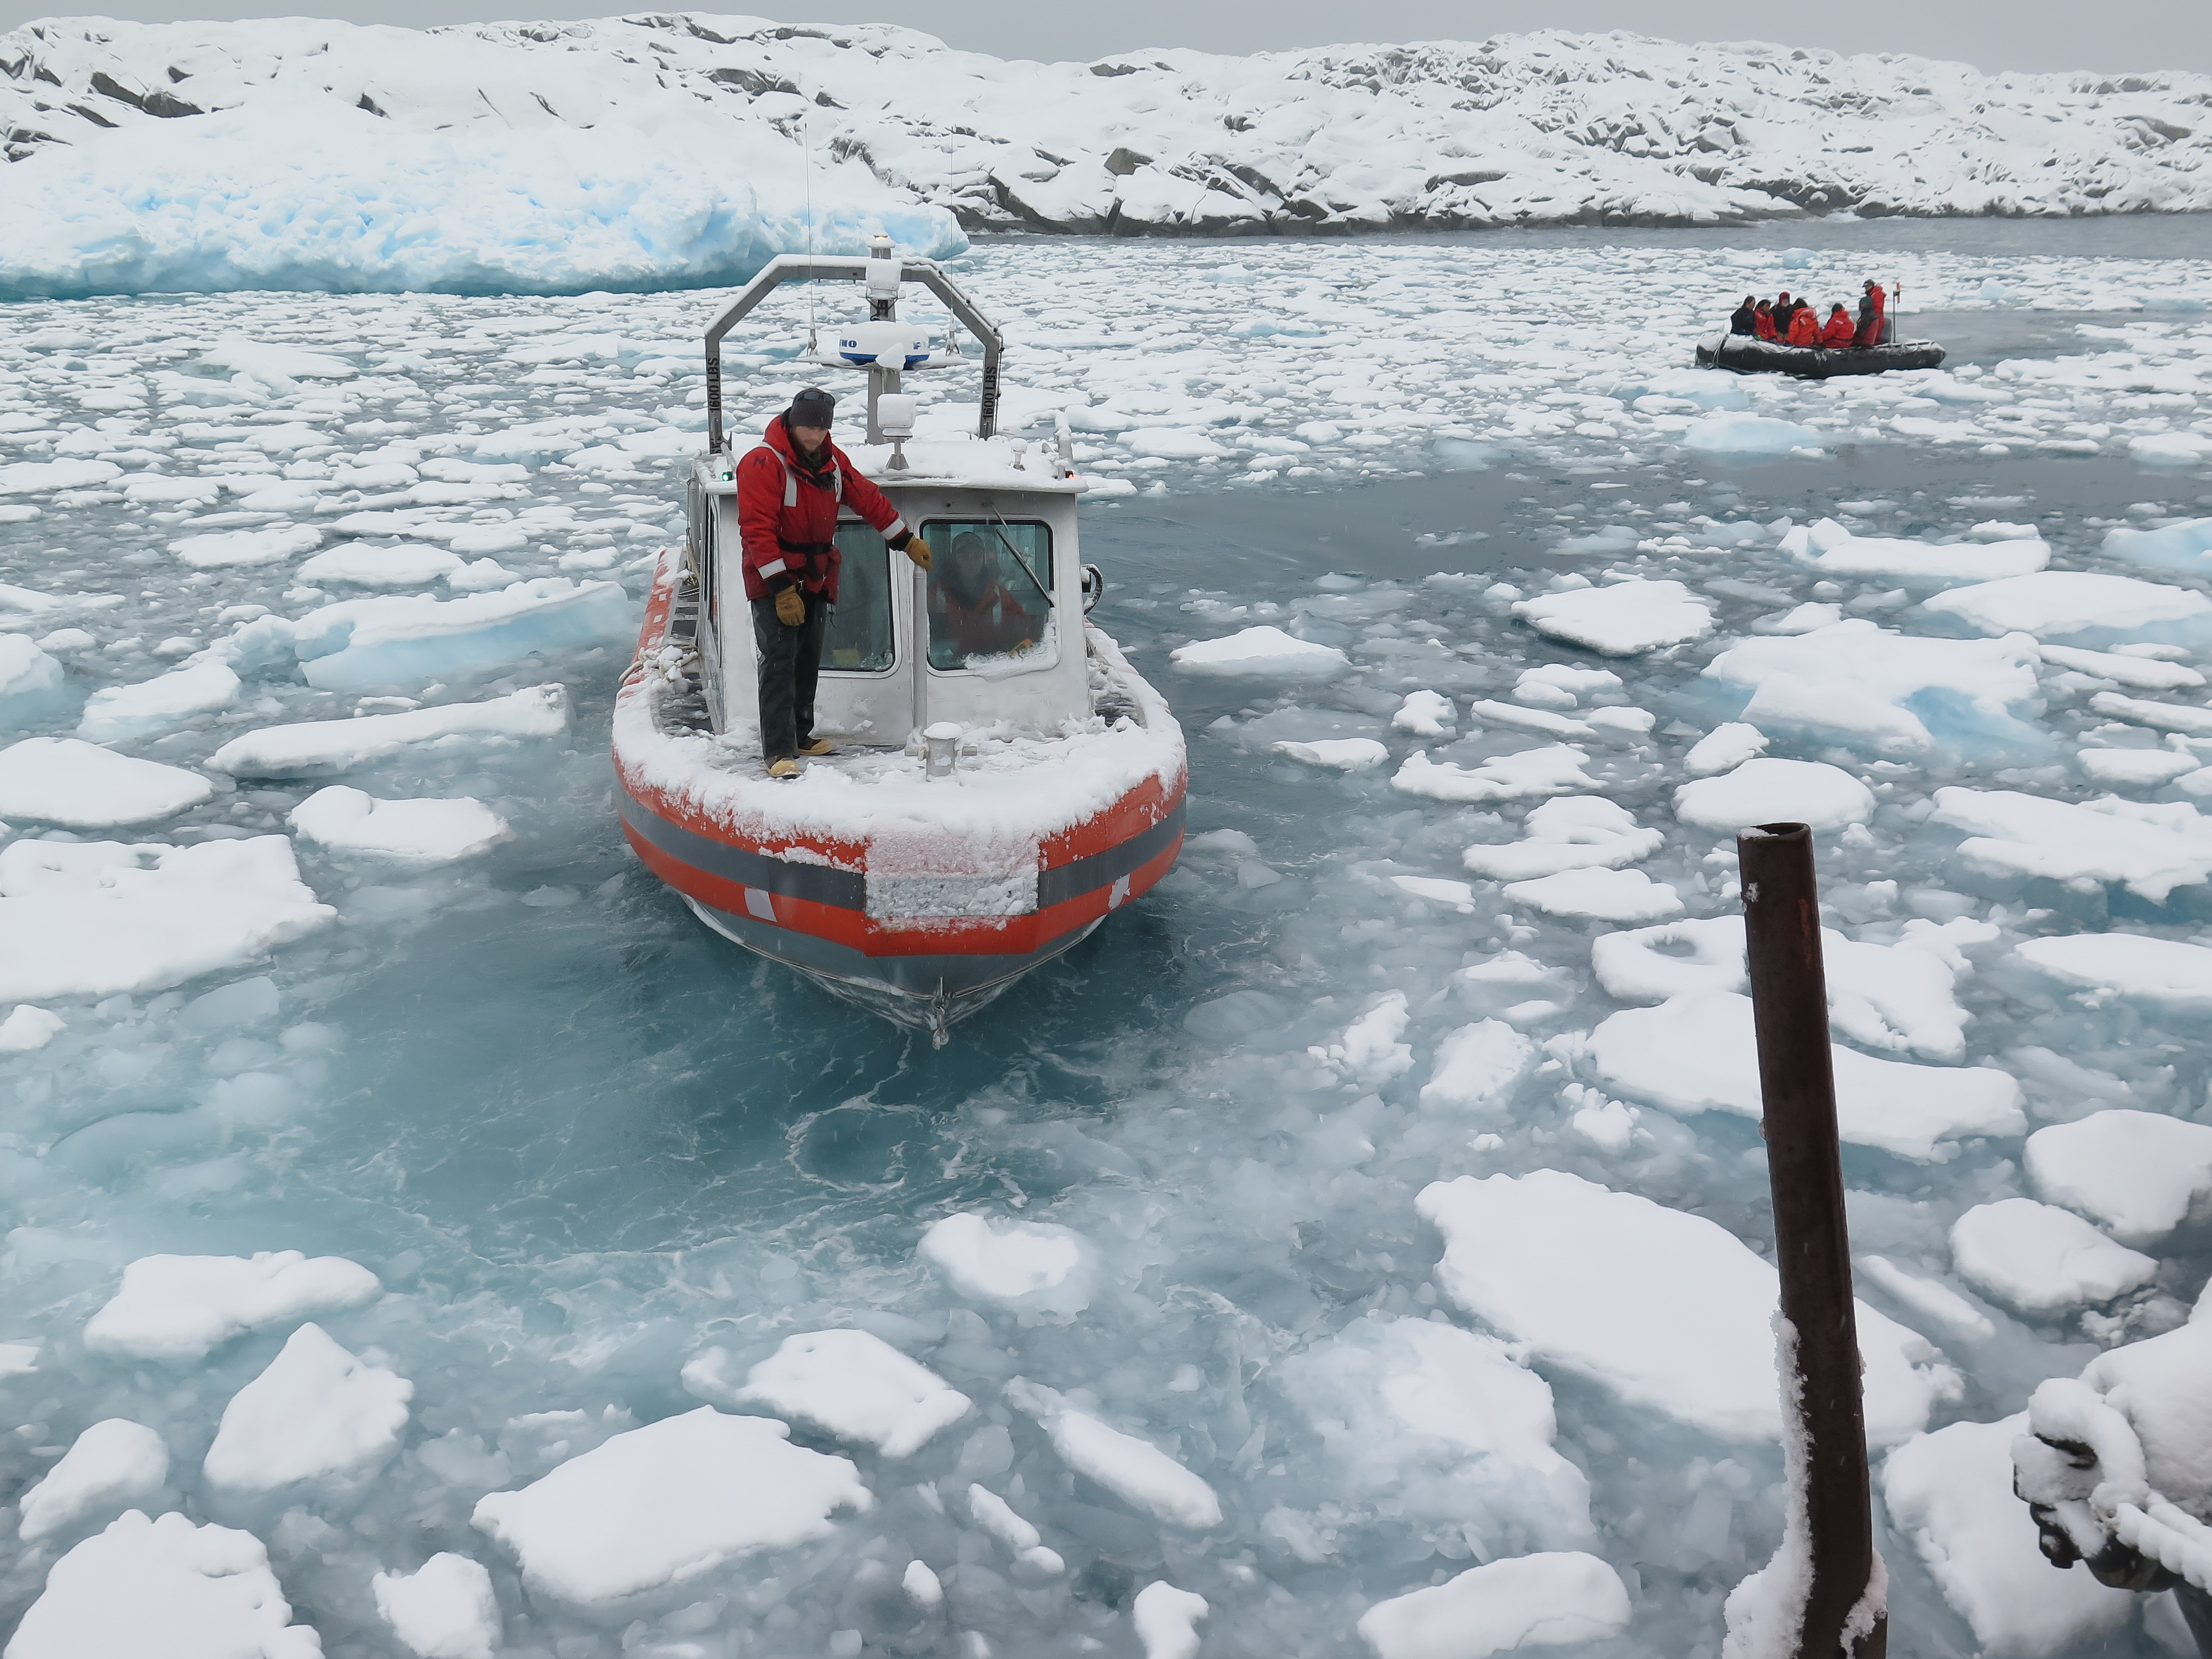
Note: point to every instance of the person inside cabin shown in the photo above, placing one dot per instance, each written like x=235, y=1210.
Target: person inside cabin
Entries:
x=1804, y=327
x=1872, y=303
x=789, y=487
x=976, y=607
x=1744, y=319
x=1763, y=323
x=1840, y=331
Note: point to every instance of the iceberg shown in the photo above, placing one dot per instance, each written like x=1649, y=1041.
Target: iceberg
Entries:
x=673, y=149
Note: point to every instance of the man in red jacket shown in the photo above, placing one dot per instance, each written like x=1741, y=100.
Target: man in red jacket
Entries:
x=1872, y=305
x=1839, y=330
x=788, y=492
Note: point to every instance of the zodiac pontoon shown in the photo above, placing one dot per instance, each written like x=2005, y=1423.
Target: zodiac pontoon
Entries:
x=1003, y=778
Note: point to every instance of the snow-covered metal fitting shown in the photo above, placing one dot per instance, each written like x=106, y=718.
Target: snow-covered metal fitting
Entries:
x=942, y=745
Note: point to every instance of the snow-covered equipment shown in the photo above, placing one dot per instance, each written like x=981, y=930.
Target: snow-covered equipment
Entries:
x=1003, y=779
x=1747, y=353
x=2113, y=1468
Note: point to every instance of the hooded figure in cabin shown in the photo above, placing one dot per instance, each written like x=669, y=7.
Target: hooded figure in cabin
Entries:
x=789, y=489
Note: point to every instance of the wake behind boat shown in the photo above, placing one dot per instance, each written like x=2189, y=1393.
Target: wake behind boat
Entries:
x=1746, y=354
x=1001, y=779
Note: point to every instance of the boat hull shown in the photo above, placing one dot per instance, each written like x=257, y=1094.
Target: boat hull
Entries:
x=1745, y=353
x=806, y=899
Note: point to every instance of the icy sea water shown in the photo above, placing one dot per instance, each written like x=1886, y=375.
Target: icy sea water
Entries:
x=581, y=1141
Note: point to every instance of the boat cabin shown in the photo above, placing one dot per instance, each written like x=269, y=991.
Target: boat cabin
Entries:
x=992, y=634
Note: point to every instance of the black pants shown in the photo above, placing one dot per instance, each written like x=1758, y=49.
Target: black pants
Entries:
x=790, y=665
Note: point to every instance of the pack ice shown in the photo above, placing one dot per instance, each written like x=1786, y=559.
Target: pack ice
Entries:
x=1135, y=1304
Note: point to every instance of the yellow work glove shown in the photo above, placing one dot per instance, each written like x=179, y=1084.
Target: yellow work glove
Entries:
x=790, y=609
x=918, y=550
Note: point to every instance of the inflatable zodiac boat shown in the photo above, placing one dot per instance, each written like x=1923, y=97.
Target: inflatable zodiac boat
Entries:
x=1747, y=353
x=998, y=788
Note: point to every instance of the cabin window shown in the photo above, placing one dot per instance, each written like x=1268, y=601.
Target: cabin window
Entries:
x=990, y=590
x=858, y=639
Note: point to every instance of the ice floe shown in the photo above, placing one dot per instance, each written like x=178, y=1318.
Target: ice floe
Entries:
x=318, y=1416
x=415, y=831
x=1265, y=651
x=181, y=1308
x=1832, y=550
x=1166, y=1620
x=1621, y=619
x=1338, y=754
x=1477, y=1064
x=1569, y=833
x=2080, y=605
x=661, y=1511
x=209, y=1584
x=1033, y=1266
x=93, y=917
x=123, y=712
x=1895, y=694
x=2137, y=1174
x=1527, y=775
x=1135, y=1470
x=410, y=564
x=68, y=782
x=1449, y=1423
x=311, y=748
x=2042, y=1260
x=2166, y=971
x=368, y=644
x=1666, y=1310
x=1768, y=790
x=1547, y=1600
x=445, y=1609
x=1697, y=1053
x=114, y=1464
x=853, y=1385
x=1598, y=894
x=2148, y=849
x=1952, y=1493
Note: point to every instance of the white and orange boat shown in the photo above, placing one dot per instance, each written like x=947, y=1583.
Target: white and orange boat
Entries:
x=998, y=788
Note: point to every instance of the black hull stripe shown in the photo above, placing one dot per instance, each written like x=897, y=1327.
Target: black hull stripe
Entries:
x=1073, y=879
x=847, y=890
x=818, y=883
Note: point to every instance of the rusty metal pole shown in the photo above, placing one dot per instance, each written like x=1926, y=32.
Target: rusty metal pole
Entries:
x=1812, y=1245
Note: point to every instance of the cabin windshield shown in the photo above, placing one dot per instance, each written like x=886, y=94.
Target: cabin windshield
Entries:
x=858, y=639
x=990, y=588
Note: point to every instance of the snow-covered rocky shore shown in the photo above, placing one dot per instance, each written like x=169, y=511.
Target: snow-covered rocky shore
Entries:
x=658, y=149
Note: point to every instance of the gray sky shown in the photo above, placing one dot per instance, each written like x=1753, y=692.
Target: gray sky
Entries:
x=2107, y=35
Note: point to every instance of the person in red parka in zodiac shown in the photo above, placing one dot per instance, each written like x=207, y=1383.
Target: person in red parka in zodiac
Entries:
x=1839, y=330
x=789, y=489
x=1805, y=327
x=1871, y=310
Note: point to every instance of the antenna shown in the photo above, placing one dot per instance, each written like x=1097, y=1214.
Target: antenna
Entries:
x=807, y=144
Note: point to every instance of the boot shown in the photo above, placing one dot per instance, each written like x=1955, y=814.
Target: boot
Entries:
x=783, y=767
x=817, y=747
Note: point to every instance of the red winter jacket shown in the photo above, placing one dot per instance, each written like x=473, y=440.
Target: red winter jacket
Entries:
x=1840, y=331
x=1805, y=329
x=788, y=514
